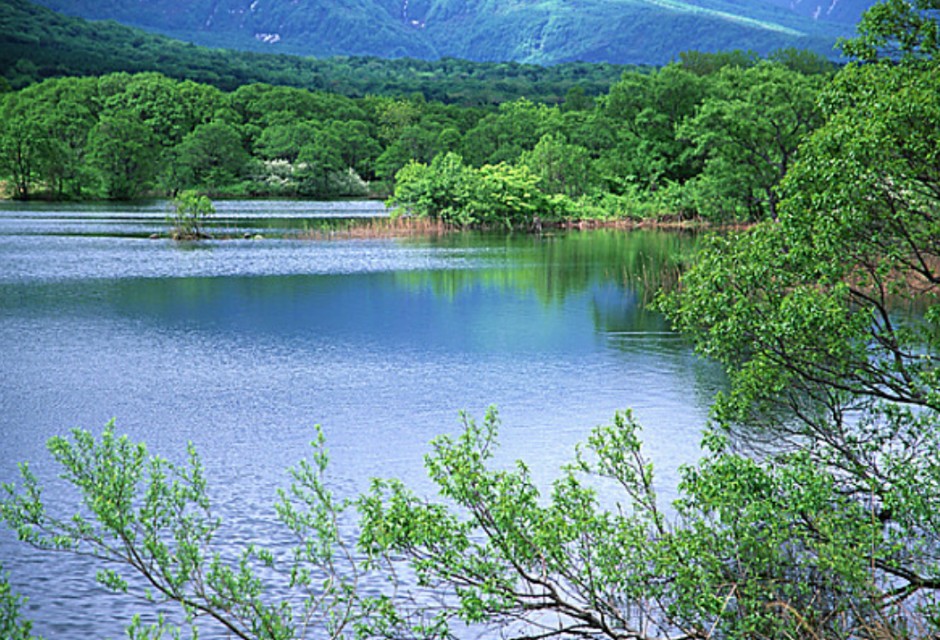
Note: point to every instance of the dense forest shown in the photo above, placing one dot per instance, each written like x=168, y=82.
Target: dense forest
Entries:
x=708, y=136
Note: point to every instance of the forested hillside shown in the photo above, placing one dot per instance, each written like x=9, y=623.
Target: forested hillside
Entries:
x=37, y=43
x=544, y=32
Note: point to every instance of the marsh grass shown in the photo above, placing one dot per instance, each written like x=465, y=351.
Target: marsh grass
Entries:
x=417, y=226
x=398, y=227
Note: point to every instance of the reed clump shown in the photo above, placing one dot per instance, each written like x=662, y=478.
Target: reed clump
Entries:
x=391, y=227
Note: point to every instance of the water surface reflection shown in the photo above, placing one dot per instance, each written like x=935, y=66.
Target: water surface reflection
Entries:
x=242, y=346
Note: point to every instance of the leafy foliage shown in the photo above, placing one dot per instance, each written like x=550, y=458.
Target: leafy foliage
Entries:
x=441, y=189
x=744, y=559
x=748, y=130
x=750, y=549
x=812, y=298
x=190, y=212
x=649, y=109
x=145, y=517
x=493, y=195
x=122, y=151
x=661, y=143
x=562, y=168
x=211, y=156
x=12, y=624
x=826, y=320
x=897, y=29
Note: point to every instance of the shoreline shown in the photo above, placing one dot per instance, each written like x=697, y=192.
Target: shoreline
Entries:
x=407, y=226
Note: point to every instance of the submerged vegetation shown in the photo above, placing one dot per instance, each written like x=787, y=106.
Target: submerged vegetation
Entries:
x=815, y=510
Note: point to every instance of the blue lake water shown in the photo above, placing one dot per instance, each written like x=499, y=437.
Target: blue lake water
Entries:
x=241, y=346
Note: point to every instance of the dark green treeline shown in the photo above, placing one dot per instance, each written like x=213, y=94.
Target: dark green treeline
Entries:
x=709, y=136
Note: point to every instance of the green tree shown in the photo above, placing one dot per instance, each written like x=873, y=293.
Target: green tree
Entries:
x=705, y=63
x=357, y=147
x=284, y=141
x=415, y=143
x=318, y=165
x=509, y=196
x=60, y=114
x=210, y=156
x=738, y=560
x=71, y=110
x=858, y=235
x=266, y=105
x=22, y=144
x=647, y=110
x=561, y=168
x=394, y=116
x=749, y=129
x=441, y=190
x=803, y=61
x=190, y=213
x=827, y=320
x=577, y=100
x=755, y=550
x=168, y=108
x=122, y=151
x=201, y=102
x=499, y=195
x=592, y=130
x=503, y=136
x=897, y=29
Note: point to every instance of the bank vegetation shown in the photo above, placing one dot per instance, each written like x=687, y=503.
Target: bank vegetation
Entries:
x=706, y=137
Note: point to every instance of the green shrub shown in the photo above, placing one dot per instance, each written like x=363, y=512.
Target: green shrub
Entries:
x=189, y=214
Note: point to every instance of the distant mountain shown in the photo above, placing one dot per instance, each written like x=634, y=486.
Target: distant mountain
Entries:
x=533, y=31
x=38, y=43
x=842, y=11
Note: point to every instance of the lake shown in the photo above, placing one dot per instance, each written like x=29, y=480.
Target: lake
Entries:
x=242, y=345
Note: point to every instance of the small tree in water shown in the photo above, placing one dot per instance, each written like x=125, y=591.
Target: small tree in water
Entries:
x=190, y=211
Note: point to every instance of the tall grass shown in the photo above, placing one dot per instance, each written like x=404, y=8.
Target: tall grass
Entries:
x=398, y=227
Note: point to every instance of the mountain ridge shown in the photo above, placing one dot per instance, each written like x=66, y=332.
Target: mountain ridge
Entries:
x=37, y=43
x=529, y=31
